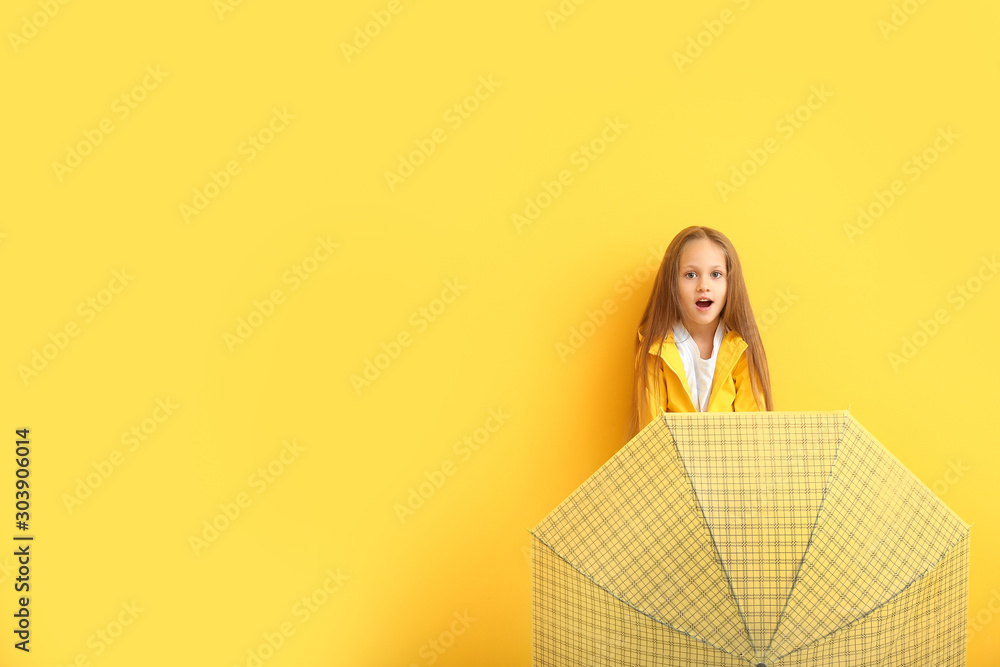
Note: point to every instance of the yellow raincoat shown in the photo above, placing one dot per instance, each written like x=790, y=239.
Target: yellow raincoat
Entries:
x=731, y=391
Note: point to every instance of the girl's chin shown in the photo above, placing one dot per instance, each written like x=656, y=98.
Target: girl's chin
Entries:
x=701, y=320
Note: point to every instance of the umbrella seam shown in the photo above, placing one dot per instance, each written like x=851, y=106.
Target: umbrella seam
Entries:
x=899, y=633
x=819, y=512
x=593, y=475
x=874, y=609
x=711, y=535
x=532, y=568
x=633, y=607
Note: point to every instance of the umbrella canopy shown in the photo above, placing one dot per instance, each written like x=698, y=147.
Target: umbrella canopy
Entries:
x=761, y=538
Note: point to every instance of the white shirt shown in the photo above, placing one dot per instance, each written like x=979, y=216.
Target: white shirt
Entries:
x=698, y=371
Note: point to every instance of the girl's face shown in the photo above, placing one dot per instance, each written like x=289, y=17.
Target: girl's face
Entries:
x=701, y=285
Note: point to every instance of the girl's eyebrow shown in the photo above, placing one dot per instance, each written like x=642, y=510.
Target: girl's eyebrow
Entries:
x=692, y=266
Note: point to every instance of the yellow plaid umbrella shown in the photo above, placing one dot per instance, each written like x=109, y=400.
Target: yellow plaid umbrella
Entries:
x=760, y=538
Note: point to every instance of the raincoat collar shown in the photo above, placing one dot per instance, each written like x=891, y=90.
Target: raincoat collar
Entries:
x=730, y=349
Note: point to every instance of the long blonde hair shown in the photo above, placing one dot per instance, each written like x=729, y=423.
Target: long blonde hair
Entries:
x=663, y=310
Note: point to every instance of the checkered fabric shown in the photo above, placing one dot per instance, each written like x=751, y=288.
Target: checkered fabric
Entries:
x=774, y=538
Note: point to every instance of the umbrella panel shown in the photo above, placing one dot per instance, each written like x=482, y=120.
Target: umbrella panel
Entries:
x=783, y=538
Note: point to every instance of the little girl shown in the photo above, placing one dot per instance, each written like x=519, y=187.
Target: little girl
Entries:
x=698, y=336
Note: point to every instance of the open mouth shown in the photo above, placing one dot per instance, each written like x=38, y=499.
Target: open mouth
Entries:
x=704, y=304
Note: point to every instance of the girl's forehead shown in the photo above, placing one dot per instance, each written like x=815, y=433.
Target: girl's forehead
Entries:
x=702, y=251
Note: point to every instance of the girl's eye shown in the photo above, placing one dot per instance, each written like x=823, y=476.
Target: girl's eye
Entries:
x=717, y=274
x=689, y=274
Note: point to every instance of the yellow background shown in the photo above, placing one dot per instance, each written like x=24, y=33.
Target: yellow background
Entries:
x=846, y=301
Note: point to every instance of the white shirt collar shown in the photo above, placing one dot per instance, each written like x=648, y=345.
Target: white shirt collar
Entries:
x=683, y=337
x=697, y=371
